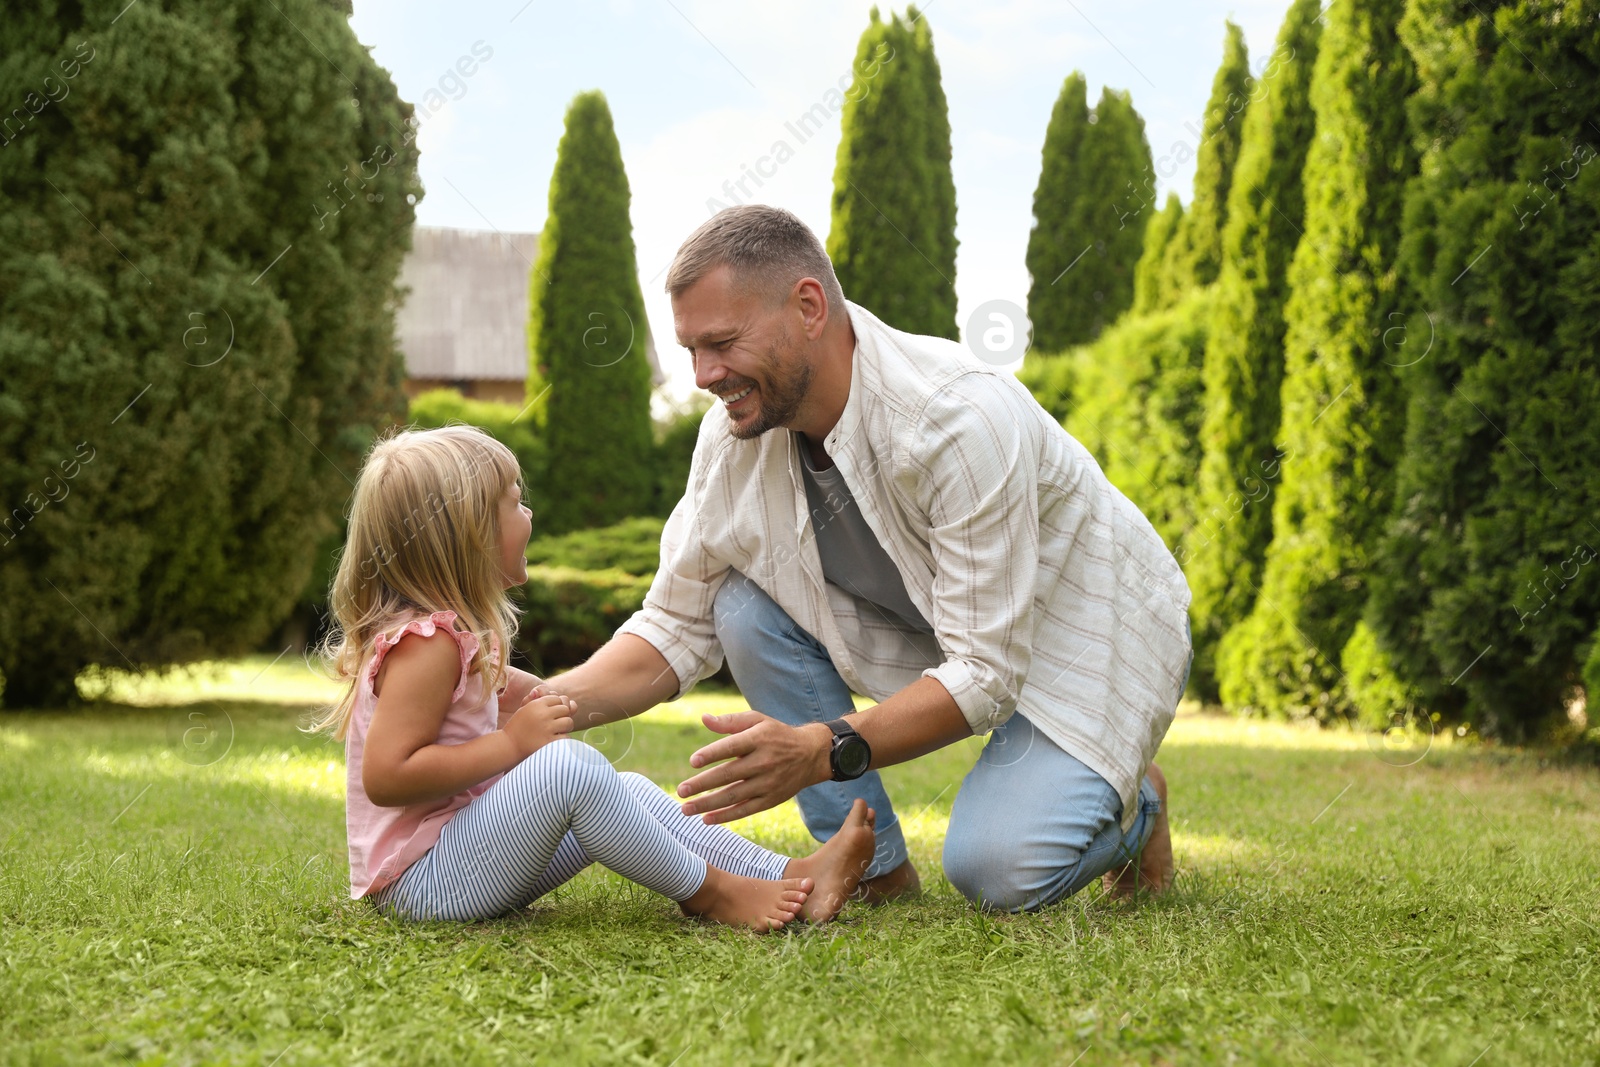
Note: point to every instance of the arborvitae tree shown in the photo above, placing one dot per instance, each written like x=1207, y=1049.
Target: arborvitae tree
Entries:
x=1150, y=276
x=1088, y=220
x=1121, y=177
x=940, y=175
x=1342, y=410
x=892, y=239
x=1057, y=241
x=203, y=210
x=1487, y=586
x=588, y=331
x=1200, y=237
x=1244, y=355
x=1193, y=254
x=1137, y=408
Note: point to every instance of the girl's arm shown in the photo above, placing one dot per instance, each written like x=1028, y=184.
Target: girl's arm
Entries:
x=402, y=762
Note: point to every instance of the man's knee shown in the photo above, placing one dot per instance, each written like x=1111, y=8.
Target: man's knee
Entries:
x=990, y=872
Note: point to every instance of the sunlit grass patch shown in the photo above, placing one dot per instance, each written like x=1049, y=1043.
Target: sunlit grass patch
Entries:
x=284, y=679
x=173, y=888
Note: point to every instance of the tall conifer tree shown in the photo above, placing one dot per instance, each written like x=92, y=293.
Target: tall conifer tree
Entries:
x=1342, y=411
x=1487, y=588
x=892, y=238
x=1194, y=255
x=940, y=174
x=1088, y=227
x=1243, y=369
x=588, y=334
x=1057, y=242
x=1151, y=275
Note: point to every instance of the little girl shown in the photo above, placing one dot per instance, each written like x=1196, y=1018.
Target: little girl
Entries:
x=457, y=811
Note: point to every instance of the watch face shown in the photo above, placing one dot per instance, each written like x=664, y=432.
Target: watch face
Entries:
x=852, y=757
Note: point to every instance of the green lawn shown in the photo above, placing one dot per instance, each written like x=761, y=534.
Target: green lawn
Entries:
x=173, y=890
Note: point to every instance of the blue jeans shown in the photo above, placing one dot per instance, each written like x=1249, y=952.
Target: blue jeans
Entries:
x=1031, y=824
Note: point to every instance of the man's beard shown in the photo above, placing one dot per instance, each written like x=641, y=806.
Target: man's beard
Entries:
x=779, y=399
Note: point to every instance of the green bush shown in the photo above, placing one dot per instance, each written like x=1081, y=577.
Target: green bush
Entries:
x=1183, y=248
x=568, y=613
x=583, y=585
x=1154, y=276
x=1381, y=697
x=1139, y=405
x=632, y=546
x=1199, y=238
x=441, y=407
x=198, y=252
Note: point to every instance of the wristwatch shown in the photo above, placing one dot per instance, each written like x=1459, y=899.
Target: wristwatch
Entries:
x=851, y=755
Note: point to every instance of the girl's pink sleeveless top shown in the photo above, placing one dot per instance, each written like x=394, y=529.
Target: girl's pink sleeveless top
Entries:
x=385, y=841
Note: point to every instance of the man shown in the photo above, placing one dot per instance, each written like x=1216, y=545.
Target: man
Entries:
x=883, y=513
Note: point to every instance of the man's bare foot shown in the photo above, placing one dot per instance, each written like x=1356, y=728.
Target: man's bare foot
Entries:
x=761, y=904
x=903, y=881
x=838, y=865
x=1153, y=872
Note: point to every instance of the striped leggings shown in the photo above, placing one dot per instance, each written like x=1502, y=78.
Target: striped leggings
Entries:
x=549, y=817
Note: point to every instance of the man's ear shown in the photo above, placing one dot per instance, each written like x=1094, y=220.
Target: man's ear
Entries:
x=813, y=304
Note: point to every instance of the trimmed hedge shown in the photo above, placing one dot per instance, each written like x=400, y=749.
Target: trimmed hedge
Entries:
x=568, y=613
x=1138, y=408
x=632, y=546
x=441, y=407
x=583, y=585
x=1483, y=588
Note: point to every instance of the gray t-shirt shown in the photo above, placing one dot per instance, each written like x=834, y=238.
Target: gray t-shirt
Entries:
x=852, y=556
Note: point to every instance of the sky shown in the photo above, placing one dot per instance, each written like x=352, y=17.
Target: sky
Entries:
x=702, y=89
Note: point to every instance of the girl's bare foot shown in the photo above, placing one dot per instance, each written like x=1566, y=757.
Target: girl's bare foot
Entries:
x=1153, y=871
x=838, y=865
x=758, y=903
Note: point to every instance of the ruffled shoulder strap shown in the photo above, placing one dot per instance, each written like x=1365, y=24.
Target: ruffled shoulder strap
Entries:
x=426, y=626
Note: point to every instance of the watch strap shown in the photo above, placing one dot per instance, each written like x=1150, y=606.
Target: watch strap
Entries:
x=842, y=728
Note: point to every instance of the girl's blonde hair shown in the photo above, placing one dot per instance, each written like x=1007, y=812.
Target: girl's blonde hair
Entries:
x=424, y=536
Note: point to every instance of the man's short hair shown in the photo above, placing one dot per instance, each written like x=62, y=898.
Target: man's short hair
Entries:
x=767, y=248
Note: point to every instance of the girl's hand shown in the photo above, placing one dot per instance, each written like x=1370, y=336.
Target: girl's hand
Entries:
x=546, y=717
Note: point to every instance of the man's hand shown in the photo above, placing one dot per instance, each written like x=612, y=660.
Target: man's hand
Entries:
x=771, y=762
x=546, y=717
